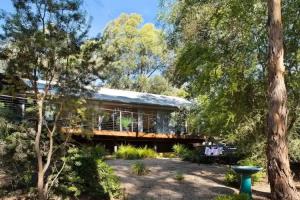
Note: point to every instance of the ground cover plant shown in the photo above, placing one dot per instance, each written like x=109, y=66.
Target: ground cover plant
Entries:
x=233, y=197
x=179, y=176
x=139, y=168
x=131, y=152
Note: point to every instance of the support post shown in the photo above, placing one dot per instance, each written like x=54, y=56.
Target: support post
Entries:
x=131, y=121
x=120, y=120
x=23, y=110
x=113, y=118
x=140, y=121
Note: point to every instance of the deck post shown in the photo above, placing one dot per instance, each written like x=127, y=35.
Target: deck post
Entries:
x=113, y=118
x=140, y=121
x=23, y=110
x=120, y=120
x=131, y=121
x=186, y=126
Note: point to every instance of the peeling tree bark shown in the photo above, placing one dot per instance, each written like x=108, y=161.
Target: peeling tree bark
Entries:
x=279, y=174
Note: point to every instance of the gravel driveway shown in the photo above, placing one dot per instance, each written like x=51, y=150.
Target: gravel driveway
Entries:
x=200, y=181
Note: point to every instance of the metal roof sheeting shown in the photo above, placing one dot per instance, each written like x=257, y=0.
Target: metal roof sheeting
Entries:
x=130, y=97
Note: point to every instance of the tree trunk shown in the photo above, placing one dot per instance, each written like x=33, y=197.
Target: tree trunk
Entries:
x=40, y=181
x=279, y=174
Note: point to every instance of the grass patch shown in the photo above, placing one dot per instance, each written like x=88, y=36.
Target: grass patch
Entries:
x=168, y=155
x=179, y=176
x=139, y=168
x=233, y=197
x=131, y=153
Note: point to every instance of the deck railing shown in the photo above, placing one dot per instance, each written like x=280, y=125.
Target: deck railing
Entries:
x=100, y=118
x=120, y=120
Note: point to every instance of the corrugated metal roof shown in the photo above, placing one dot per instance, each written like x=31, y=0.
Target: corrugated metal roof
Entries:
x=130, y=97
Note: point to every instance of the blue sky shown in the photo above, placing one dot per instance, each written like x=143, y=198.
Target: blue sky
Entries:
x=103, y=11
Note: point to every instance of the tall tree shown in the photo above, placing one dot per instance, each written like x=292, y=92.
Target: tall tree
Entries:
x=281, y=182
x=221, y=50
x=42, y=44
x=132, y=51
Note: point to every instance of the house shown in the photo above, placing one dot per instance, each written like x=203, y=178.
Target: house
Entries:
x=126, y=117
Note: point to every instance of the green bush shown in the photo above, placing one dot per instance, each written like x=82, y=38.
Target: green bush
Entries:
x=180, y=150
x=233, y=197
x=186, y=154
x=17, y=161
x=131, y=153
x=86, y=174
x=232, y=178
x=168, y=155
x=139, y=168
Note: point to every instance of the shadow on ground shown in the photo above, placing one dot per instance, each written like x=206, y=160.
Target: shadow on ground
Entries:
x=200, y=181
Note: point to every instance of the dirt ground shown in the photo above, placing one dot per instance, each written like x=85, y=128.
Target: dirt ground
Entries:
x=200, y=181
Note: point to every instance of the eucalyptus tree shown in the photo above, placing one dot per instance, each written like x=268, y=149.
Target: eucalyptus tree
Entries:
x=132, y=52
x=279, y=173
x=44, y=42
x=222, y=49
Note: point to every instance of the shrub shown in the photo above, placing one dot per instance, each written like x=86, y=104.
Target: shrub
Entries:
x=139, y=168
x=180, y=149
x=85, y=173
x=233, y=197
x=232, y=178
x=178, y=176
x=17, y=161
x=146, y=153
x=186, y=154
x=131, y=153
x=168, y=155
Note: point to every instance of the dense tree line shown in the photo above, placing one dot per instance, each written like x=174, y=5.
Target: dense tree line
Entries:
x=222, y=52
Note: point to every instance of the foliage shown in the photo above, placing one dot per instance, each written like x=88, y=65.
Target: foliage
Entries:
x=233, y=179
x=294, y=138
x=126, y=121
x=134, y=49
x=17, y=157
x=79, y=171
x=43, y=45
x=220, y=56
x=180, y=149
x=135, y=55
x=167, y=155
x=186, y=154
x=86, y=174
x=130, y=152
x=233, y=197
x=139, y=168
x=179, y=176
x=9, y=114
x=198, y=156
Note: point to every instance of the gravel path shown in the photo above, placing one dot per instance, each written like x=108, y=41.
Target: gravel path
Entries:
x=200, y=181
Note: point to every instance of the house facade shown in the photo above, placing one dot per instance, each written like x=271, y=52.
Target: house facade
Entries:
x=126, y=117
